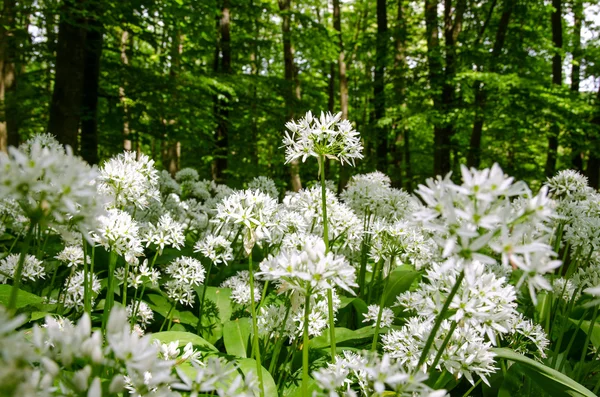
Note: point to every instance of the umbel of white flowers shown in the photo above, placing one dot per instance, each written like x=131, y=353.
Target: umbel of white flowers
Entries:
x=325, y=136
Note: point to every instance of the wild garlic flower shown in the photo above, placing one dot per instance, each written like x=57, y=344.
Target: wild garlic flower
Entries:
x=33, y=268
x=265, y=185
x=327, y=136
x=143, y=313
x=186, y=175
x=139, y=275
x=50, y=182
x=528, y=338
x=216, y=248
x=477, y=219
x=569, y=184
x=129, y=181
x=166, y=232
x=74, y=289
x=240, y=288
x=467, y=354
x=372, y=194
x=186, y=273
x=318, y=318
x=309, y=271
x=374, y=375
x=488, y=305
x=250, y=209
x=345, y=229
x=118, y=232
x=72, y=255
x=387, y=316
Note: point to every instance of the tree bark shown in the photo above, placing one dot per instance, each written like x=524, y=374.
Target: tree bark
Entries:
x=379, y=86
x=9, y=133
x=474, y=154
x=91, y=78
x=337, y=25
x=223, y=66
x=172, y=150
x=291, y=76
x=557, y=39
x=65, y=107
x=125, y=38
x=400, y=148
x=578, y=17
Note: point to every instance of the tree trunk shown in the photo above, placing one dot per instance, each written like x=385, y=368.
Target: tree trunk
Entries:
x=444, y=129
x=337, y=25
x=9, y=134
x=577, y=155
x=557, y=80
x=122, y=91
x=222, y=65
x=65, y=107
x=474, y=154
x=291, y=76
x=172, y=151
x=379, y=86
x=400, y=149
x=91, y=77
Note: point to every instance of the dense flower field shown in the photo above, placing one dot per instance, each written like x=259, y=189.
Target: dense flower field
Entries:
x=125, y=281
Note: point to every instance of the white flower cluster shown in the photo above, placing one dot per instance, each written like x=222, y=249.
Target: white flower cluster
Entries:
x=186, y=273
x=309, y=271
x=344, y=227
x=72, y=255
x=129, y=182
x=240, y=288
x=33, y=268
x=472, y=220
x=387, y=316
x=51, y=183
x=74, y=290
x=327, y=136
x=265, y=185
x=372, y=195
x=216, y=248
x=166, y=232
x=374, y=375
x=118, y=232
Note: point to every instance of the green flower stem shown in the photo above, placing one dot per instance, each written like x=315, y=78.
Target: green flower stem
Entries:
x=468, y=393
x=110, y=292
x=363, y=254
x=305, y=347
x=439, y=319
x=380, y=313
x=586, y=344
x=12, y=301
x=564, y=315
x=204, y=288
x=255, y=340
x=139, y=299
x=572, y=340
x=438, y=356
x=87, y=303
x=167, y=317
x=326, y=241
x=264, y=294
x=125, y=282
x=279, y=344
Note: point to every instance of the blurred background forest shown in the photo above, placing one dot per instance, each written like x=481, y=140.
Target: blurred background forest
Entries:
x=210, y=84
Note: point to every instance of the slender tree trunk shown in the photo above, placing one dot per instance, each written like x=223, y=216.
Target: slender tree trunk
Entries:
x=434, y=61
x=122, y=91
x=379, y=86
x=577, y=155
x=291, y=76
x=254, y=72
x=557, y=39
x=222, y=65
x=445, y=130
x=474, y=154
x=400, y=148
x=89, y=121
x=343, y=79
x=9, y=134
x=65, y=107
x=172, y=151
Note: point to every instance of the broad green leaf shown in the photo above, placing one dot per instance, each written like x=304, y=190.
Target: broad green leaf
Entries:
x=248, y=365
x=221, y=298
x=161, y=305
x=24, y=298
x=400, y=280
x=235, y=336
x=184, y=338
x=553, y=382
x=585, y=327
x=295, y=390
x=341, y=335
